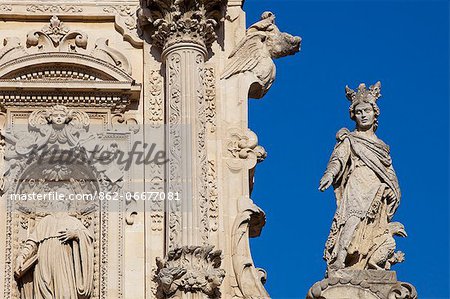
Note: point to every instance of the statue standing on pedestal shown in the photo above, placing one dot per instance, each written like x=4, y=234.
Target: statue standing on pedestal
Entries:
x=367, y=191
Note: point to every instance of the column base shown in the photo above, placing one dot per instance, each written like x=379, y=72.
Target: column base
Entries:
x=361, y=284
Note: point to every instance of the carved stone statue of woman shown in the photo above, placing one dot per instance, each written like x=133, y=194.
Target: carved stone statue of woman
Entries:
x=57, y=259
x=367, y=191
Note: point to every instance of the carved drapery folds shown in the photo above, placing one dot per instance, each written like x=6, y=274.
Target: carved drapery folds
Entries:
x=175, y=21
x=194, y=269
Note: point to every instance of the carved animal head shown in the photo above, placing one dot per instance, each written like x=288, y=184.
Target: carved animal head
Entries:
x=281, y=44
x=397, y=229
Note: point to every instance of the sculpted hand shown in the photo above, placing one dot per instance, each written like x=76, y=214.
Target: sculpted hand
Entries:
x=326, y=181
x=389, y=194
x=68, y=235
x=18, y=266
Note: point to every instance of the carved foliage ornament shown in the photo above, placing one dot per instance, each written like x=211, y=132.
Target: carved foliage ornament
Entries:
x=57, y=34
x=190, y=269
x=181, y=21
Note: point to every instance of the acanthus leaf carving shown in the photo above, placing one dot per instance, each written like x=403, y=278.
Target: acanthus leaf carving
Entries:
x=193, y=269
x=253, y=56
x=176, y=21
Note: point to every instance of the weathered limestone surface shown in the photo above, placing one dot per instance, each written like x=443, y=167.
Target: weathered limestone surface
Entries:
x=97, y=79
x=360, y=249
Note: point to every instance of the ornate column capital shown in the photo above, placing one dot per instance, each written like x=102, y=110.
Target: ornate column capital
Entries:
x=175, y=21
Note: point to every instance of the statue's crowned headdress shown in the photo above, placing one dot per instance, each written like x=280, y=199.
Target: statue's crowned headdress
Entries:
x=370, y=95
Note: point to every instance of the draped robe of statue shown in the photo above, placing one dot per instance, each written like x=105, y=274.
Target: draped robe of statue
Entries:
x=60, y=270
x=363, y=176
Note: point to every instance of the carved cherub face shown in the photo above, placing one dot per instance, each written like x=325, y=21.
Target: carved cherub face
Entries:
x=58, y=117
x=365, y=116
x=282, y=44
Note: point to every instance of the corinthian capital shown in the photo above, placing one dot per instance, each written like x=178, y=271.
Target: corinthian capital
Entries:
x=175, y=21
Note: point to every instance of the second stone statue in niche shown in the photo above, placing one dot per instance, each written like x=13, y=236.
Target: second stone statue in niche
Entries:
x=367, y=192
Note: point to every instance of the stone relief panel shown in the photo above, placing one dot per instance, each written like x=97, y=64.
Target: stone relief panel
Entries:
x=59, y=152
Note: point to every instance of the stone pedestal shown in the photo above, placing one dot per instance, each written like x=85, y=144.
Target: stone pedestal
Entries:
x=361, y=284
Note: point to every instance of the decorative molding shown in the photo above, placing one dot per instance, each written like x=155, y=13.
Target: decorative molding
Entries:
x=55, y=8
x=202, y=162
x=127, y=12
x=175, y=147
x=5, y=8
x=194, y=269
x=174, y=21
x=213, y=196
x=156, y=102
x=209, y=81
x=380, y=283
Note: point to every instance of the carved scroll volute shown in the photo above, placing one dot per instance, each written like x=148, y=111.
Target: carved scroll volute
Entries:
x=248, y=223
x=56, y=36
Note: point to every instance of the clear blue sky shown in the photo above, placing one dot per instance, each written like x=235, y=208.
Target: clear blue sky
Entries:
x=405, y=44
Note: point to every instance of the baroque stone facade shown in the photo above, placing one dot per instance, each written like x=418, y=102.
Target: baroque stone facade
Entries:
x=85, y=84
